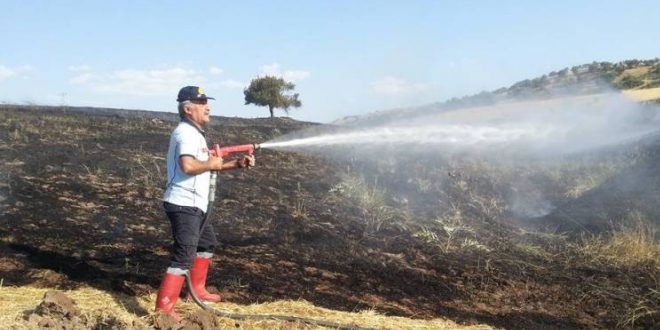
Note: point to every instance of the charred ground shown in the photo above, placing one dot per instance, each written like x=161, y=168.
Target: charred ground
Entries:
x=79, y=198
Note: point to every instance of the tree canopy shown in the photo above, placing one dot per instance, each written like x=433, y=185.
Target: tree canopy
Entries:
x=272, y=92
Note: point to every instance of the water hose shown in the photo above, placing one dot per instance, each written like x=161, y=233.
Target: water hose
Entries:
x=257, y=317
x=265, y=317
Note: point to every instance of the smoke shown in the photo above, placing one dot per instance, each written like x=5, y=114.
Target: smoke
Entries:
x=525, y=154
x=528, y=201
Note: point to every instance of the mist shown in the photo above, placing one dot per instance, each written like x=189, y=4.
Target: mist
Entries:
x=548, y=127
x=530, y=155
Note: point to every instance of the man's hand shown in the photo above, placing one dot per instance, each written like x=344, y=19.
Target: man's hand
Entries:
x=247, y=161
x=215, y=163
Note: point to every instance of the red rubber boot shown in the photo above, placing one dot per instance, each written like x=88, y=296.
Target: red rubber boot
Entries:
x=168, y=293
x=198, y=273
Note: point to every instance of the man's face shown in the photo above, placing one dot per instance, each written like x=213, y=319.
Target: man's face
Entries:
x=199, y=112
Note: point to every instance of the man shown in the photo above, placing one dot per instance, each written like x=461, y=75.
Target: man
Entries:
x=186, y=200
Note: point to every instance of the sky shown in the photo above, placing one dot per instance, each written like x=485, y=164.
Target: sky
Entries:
x=346, y=58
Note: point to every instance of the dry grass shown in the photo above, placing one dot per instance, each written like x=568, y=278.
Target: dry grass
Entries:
x=629, y=246
x=299, y=210
x=371, y=199
x=93, y=303
x=635, y=72
x=643, y=94
x=96, y=304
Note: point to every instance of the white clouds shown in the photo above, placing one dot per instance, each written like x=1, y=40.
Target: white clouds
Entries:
x=295, y=75
x=79, y=68
x=5, y=72
x=163, y=81
x=82, y=78
x=139, y=82
x=216, y=71
x=19, y=71
x=83, y=74
x=288, y=75
x=233, y=84
x=270, y=69
x=392, y=86
x=148, y=82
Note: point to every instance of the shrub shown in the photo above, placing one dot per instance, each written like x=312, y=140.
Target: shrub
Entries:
x=628, y=82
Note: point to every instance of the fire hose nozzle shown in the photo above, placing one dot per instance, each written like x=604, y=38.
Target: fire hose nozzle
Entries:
x=218, y=151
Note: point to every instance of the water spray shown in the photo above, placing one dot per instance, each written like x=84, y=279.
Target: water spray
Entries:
x=561, y=125
x=460, y=135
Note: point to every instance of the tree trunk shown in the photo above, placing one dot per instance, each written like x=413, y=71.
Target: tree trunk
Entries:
x=270, y=107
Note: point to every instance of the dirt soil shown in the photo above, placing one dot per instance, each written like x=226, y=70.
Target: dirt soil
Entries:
x=80, y=205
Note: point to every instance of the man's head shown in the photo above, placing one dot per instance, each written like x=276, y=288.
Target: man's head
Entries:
x=193, y=104
x=192, y=93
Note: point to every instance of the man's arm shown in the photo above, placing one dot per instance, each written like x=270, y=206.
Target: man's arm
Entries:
x=246, y=161
x=191, y=166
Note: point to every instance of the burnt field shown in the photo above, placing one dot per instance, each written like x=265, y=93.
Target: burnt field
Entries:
x=452, y=237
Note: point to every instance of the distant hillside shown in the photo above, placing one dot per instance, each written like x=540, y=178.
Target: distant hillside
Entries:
x=593, y=78
x=638, y=79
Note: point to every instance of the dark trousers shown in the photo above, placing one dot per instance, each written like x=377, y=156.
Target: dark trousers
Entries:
x=188, y=235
